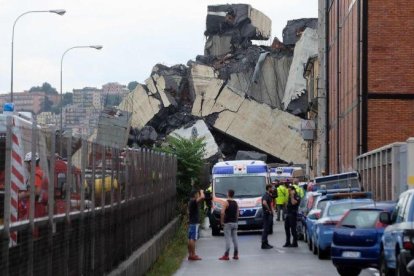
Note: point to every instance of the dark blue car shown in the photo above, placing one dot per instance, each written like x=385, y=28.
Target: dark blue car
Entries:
x=356, y=242
x=320, y=200
x=323, y=228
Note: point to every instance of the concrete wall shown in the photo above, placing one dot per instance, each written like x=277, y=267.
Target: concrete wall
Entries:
x=142, y=259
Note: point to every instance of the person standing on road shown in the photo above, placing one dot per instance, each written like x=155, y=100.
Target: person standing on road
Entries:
x=299, y=191
x=194, y=222
x=291, y=217
x=274, y=196
x=207, y=203
x=267, y=208
x=281, y=200
x=229, y=217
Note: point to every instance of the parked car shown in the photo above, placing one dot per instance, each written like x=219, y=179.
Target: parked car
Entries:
x=356, y=242
x=398, y=238
x=319, y=202
x=323, y=229
x=305, y=206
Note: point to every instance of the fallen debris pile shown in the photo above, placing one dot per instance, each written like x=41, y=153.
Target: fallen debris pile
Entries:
x=238, y=95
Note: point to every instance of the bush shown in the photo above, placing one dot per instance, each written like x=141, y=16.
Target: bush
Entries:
x=190, y=153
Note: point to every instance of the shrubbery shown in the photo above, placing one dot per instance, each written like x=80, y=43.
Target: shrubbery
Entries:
x=190, y=153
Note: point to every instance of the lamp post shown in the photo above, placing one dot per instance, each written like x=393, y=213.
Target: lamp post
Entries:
x=59, y=12
x=96, y=47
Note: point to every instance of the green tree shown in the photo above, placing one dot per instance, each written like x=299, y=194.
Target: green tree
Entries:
x=67, y=98
x=46, y=87
x=47, y=105
x=190, y=153
x=132, y=85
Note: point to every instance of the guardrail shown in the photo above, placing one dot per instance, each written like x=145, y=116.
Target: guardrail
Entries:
x=101, y=208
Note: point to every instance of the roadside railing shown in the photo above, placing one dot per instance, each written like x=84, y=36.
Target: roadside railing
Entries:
x=102, y=203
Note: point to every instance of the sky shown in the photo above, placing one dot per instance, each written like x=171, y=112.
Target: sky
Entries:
x=135, y=36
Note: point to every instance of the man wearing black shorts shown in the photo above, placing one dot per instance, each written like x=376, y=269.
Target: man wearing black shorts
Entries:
x=193, y=223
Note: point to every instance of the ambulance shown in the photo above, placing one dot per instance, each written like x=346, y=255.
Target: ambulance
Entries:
x=287, y=173
x=248, y=179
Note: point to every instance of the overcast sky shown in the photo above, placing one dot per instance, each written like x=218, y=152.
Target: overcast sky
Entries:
x=135, y=36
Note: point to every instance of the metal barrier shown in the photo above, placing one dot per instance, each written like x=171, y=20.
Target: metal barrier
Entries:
x=102, y=204
x=382, y=170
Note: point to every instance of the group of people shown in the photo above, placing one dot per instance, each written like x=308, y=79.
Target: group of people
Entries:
x=280, y=197
x=284, y=199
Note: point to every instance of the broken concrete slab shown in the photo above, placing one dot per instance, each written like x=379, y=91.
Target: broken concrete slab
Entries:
x=294, y=29
x=172, y=81
x=143, y=105
x=218, y=45
x=251, y=23
x=268, y=82
x=157, y=84
x=199, y=129
x=113, y=127
x=305, y=48
x=250, y=155
x=199, y=78
x=270, y=130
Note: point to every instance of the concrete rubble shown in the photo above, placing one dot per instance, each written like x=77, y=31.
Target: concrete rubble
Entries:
x=250, y=155
x=235, y=94
x=229, y=27
x=199, y=129
x=143, y=105
x=295, y=99
x=294, y=29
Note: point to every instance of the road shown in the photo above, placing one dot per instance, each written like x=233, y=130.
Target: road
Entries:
x=255, y=261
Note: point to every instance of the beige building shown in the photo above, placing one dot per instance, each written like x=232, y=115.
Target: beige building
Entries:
x=48, y=118
x=79, y=119
x=88, y=97
x=114, y=88
x=29, y=101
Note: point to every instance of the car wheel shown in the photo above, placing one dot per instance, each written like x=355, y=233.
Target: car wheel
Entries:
x=348, y=271
x=321, y=254
x=215, y=231
x=305, y=235
x=314, y=249
x=310, y=244
x=401, y=268
x=384, y=270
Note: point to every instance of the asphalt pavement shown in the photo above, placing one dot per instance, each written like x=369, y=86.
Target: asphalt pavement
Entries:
x=256, y=261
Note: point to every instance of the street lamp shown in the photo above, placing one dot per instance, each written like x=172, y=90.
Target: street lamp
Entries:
x=59, y=12
x=96, y=47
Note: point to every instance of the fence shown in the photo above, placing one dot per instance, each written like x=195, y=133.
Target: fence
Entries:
x=102, y=203
x=384, y=171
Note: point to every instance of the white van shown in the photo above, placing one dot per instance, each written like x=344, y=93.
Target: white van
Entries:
x=248, y=179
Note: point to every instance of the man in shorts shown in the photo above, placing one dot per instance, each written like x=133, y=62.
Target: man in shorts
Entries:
x=193, y=223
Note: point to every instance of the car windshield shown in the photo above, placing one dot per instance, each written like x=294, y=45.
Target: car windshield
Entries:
x=340, y=208
x=361, y=219
x=243, y=186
